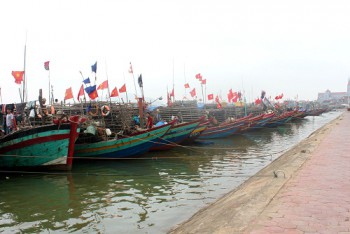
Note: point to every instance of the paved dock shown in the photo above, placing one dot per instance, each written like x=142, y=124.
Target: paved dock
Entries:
x=308, y=191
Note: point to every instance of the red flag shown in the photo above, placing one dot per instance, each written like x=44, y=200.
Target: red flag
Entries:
x=187, y=86
x=217, y=99
x=103, y=85
x=211, y=96
x=235, y=97
x=230, y=95
x=47, y=65
x=122, y=89
x=193, y=92
x=130, y=69
x=18, y=75
x=81, y=92
x=68, y=94
x=169, y=100
x=114, y=92
x=204, y=81
x=218, y=102
x=93, y=94
x=199, y=77
x=172, y=93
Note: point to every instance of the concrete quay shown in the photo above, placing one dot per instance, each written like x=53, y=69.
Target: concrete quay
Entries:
x=305, y=190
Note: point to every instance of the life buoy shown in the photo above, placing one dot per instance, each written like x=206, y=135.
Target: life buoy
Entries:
x=105, y=110
x=92, y=113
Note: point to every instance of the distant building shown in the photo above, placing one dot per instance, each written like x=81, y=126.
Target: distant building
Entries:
x=334, y=97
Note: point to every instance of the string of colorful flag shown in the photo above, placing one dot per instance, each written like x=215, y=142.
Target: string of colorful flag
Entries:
x=91, y=90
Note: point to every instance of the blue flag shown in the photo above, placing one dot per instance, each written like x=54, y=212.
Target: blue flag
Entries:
x=94, y=67
x=90, y=89
x=87, y=81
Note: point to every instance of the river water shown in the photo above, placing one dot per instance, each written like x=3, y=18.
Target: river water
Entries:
x=150, y=194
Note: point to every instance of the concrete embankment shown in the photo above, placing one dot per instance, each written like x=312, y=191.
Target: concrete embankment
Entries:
x=283, y=196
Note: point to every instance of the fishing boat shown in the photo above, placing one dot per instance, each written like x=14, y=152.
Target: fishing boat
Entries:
x=48, y=146
x=176, y=135
x=259, y=121
x=195, y=133
x=221, y=131
x=280, y=119
x=122, y=146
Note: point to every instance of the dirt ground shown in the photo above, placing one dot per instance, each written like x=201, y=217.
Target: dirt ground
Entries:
x=234, y=212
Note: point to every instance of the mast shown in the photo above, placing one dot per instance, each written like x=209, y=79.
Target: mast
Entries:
x=173, y=91
x=24, y=96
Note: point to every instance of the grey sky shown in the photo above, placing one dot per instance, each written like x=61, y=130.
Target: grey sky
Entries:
x=298, y=48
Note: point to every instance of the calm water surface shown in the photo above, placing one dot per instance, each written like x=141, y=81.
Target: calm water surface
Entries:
x=145, y=195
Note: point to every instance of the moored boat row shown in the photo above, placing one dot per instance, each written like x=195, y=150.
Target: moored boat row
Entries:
x=54, y=145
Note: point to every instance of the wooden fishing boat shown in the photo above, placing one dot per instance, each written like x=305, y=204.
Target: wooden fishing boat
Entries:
x=138, y=143
x=47, y=146
x=261, y=122
x=315, y=112
x=220, y=131
x=176, y=135
x=195, y=133
x=280, y=119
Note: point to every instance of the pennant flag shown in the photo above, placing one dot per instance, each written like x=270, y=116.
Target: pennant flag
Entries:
x=81, y=92
x=210, y=96
x=87, y=81
x=204, y=81
x=114, y=92
x=122, y=89
x=193, y=92
x=199, y=77
x=130, y=69
x=68, y=94
x=103, y=85
x=94, y=67
x=140, y=81
x=92, y=92
x=18, y=75
x=187, y=86
x=172, y=93
x=46, y=65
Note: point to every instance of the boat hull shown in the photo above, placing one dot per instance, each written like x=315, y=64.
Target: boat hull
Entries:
x=176, y=135
x=220, y=131
x=42, y=146
x=121, y=148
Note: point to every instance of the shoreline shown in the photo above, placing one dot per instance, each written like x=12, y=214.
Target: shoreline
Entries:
x=235, y=211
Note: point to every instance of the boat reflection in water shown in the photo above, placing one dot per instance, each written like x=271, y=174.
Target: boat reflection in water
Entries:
x=149, y=194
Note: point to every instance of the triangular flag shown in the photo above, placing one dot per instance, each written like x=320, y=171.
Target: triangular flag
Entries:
x=114, y=92
x=81, y=92
x=103, y=85
x=122, y=89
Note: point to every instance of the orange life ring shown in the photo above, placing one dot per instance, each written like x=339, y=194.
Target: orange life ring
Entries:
x=105, y=110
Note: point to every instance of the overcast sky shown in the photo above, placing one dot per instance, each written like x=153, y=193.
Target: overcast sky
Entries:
x=298, y=48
